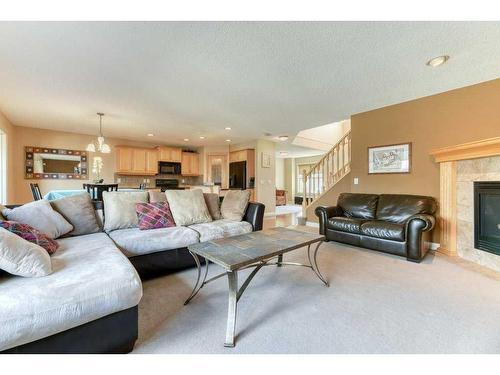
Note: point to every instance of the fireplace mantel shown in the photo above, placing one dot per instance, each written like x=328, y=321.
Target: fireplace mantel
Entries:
x=471, y=150
x=447, y=158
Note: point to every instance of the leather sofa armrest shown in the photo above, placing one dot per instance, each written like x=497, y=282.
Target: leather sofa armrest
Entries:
x=324, y=213
x=417, y=231
x=255, y=215
x=420, y=222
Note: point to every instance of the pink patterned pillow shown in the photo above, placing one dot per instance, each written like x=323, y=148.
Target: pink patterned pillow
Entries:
x=154, y=215
x=31, y=234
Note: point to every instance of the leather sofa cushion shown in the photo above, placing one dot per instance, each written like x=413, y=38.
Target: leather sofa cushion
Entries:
x=398, y=208
x=345, y=224
x=383, y=229
x=361, y=206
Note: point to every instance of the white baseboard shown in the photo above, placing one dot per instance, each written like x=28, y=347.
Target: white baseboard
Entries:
x=312, y=224
x=433, y=245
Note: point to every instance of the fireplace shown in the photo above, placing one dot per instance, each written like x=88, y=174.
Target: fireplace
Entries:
x=487, y=216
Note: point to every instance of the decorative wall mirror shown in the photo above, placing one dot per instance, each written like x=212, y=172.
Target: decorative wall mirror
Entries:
x=54, y=163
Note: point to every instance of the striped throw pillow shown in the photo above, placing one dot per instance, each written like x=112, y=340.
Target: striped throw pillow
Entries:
x=30, y=234
x=154, y=215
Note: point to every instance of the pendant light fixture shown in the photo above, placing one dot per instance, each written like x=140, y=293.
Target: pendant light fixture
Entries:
x=101, y=145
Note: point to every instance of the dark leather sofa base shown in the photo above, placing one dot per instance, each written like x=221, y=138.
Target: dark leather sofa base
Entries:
x=161, y=263
x=112, y=334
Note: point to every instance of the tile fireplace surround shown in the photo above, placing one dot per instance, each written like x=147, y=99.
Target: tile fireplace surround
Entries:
x=460, y=166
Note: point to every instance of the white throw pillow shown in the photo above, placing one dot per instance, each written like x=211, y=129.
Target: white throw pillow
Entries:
x=40, y=215
x=22, y=258
x=234, y=204
x=119, y=209
x=188, y=207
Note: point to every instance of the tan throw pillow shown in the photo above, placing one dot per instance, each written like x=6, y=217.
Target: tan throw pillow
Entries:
x=188, y=207
x=119, y=209
x=213, y=203
x=79, y=211
x=157, y=196
x=22, y=258
x=41, y=216
x=235, y=204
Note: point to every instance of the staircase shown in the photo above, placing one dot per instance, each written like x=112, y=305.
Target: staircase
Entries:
x=332, y=167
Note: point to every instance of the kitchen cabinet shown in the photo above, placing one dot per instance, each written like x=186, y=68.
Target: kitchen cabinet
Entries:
x=171, y=154
x=190, y=164
x=136, y=161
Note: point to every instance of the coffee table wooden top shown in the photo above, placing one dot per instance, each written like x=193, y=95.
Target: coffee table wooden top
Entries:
x=235, y=252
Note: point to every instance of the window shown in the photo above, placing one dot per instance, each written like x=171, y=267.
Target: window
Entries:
x=3, y=167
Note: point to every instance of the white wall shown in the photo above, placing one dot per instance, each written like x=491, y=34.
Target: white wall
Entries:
x=265, y=178
x=280, y=173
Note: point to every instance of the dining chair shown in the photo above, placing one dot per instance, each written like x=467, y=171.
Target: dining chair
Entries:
x=142, y=186
x=35, y=190
x=96, y=190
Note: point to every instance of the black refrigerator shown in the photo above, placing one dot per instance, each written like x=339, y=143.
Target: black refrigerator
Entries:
x=238, y=175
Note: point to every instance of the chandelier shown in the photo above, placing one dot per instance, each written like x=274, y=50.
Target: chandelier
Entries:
x=101, y=146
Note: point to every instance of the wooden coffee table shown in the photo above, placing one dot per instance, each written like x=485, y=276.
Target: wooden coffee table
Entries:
x=252, y=250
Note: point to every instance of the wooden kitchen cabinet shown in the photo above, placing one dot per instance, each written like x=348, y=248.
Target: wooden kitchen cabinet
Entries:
x=136, y=161
x=171, y=154
x=190, y=164
x=152, y=161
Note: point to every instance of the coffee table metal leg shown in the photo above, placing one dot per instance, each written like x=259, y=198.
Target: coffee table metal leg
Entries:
x=314, y=263
x=232, y=277
x=199, y=283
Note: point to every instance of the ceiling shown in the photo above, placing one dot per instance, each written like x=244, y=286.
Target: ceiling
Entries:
x=189, y=79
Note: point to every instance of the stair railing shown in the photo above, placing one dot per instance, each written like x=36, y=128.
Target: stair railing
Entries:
x=334, y=165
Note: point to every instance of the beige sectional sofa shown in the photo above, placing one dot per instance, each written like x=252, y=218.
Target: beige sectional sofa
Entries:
x=89, y=302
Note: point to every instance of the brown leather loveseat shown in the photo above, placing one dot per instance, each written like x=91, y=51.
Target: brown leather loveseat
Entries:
x=392, y=223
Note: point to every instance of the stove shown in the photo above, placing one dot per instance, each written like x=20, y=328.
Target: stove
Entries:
x=168, y=184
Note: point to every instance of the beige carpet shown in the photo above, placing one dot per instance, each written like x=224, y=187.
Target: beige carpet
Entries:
x=376, y=303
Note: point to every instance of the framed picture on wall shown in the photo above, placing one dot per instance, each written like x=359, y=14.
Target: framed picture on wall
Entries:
x=266, y=160
x=389, y=159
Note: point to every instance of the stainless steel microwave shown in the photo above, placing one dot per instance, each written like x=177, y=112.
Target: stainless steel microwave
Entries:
x=169, y=168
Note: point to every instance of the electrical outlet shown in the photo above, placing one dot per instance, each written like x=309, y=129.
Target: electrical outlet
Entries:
x=356, y=181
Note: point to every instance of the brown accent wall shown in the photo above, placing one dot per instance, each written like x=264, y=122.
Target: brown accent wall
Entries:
x=463, y=115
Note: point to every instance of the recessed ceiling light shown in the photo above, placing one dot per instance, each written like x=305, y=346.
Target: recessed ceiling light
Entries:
x=283, y=138
x=150, y=135
x=186, y=139
x=228, y=140
x=227, y=128
x=437, y=61
x=202, y=137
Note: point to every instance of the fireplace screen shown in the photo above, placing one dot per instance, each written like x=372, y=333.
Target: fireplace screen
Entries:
x=487, y=216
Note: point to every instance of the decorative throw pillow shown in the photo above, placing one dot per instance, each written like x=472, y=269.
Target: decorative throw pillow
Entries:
x=234, y=204
x=213, y=204
x=22, y=258
x=188, y=207
x=119, y=209
x=79, y=211
x=41, y=216
x=154, y=215
x=31, y=234
x=157, y=196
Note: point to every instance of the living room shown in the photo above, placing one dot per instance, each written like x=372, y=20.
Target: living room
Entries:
x=244, y=195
